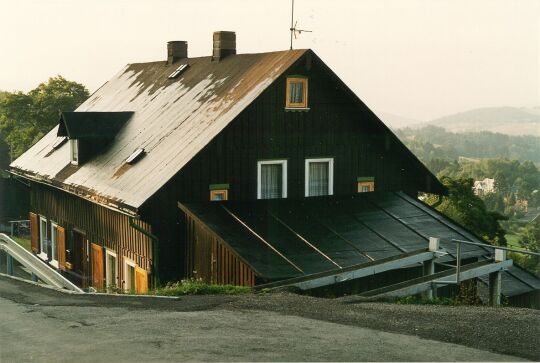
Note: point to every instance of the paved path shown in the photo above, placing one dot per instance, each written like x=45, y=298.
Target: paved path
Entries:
x=37, y=324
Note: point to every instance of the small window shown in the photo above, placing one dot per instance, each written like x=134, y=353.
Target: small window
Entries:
x=272, y=179
x=111, y=273
x=74, y=151
x=135, y=156
x=43, y=238
x=59, y=142
x=297, y=92
x=54, y=244
x=365, y=184
x=219, y=194
x=319, y=177
x=178, y=71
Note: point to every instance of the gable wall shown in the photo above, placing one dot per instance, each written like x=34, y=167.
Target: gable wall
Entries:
x=335, y=126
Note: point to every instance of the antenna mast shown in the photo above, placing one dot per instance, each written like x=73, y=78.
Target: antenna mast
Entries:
x=293, y=28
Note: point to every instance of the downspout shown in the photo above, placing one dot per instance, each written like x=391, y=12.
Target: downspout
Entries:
x=155, y=253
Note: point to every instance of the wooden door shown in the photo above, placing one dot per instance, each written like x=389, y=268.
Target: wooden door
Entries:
x=78, y=259
x=141, y=280
x=97, y=267
x=34, y=232
x=61, y=242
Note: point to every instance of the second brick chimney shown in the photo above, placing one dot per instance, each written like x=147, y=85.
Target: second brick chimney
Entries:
x=224, y=45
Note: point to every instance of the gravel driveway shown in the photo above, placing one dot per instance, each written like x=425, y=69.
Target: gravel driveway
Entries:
x=39, y=324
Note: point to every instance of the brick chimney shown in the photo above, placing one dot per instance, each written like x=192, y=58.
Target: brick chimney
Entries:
x=176, y=50
x=224, y=45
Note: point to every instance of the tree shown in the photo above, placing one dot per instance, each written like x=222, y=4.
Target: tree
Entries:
x=26, y=117
x=464, y=207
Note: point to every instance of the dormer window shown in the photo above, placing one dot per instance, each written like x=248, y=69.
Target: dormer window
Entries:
x=74, y=151
x=90, y=133
x=297, y=93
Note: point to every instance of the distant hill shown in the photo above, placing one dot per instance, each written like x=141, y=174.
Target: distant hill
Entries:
x=504, y=120
x=397, y=122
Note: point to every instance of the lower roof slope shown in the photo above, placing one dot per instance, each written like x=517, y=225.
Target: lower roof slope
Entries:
x=173, y=120
x=286, y=238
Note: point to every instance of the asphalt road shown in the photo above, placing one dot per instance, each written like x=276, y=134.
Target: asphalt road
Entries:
x=38, y=324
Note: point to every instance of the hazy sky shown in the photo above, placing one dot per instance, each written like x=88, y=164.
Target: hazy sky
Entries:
x=417, y=59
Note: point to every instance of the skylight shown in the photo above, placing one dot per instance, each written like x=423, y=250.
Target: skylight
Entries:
x=59, y=141
x=178, y=71
x=135, y=156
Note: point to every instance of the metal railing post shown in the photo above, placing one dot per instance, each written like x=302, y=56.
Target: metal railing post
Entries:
x=458, y=262
x=9, y=264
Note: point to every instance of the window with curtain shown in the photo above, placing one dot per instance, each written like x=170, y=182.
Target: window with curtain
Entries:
x=297, y=92
x=319, y=174
x=272, y=177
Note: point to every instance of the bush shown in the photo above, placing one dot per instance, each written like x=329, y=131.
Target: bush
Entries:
x=197, y=287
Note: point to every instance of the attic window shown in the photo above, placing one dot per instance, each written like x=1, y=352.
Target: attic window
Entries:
x=297, y=92
x=135, y=156
x=178, y=71
x=59, y=142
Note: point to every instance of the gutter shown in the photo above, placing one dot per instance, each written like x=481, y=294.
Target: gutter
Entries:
x=155, y=252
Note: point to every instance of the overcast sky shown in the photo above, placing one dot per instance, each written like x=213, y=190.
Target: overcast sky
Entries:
x=414, y=58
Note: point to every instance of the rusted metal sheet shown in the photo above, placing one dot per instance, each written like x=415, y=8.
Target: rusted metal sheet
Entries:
x=173, y=120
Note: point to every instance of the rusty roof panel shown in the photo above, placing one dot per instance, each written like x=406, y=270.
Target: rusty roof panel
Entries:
x=173, y=120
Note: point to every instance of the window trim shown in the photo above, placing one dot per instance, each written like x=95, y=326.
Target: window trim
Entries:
x=107, y=268
x=283, y=163
x=131, y=263
x=42, y=254
x=302, y=105
x=72, y=143
x=330, y=162
x=54, y=246
x=214, y=192
x=369, y=184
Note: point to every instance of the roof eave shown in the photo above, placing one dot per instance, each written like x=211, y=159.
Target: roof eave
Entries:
x=76, y=191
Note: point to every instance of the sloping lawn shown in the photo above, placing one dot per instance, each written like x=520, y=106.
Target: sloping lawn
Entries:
x=23, y=242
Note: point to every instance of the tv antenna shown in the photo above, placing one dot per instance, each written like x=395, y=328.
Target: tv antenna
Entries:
x=294, y=30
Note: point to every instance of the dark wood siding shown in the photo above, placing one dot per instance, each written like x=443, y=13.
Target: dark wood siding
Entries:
x=101, y=226
x=336, y=126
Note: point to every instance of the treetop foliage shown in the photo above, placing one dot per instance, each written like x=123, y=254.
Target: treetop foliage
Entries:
x=26, y=117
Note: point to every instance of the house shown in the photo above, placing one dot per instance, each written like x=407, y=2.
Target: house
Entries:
x=483, y=187
x=198, y=167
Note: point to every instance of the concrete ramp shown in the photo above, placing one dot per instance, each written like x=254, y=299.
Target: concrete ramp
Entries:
x=33, y=264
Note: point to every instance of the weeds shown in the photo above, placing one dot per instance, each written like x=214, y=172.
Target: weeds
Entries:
x=197, y=287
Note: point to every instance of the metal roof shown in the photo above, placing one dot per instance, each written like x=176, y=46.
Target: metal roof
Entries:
x=173, y=120
x=285, y=238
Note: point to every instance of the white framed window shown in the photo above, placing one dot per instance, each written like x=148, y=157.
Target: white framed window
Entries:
x=319, y=178
x=42, y=238
x=111, y=269
x=74, y=151
x=54, y=244
x=271, y=179
x=129, y=275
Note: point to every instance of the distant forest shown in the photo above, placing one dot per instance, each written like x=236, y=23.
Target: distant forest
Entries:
x=432, y=142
